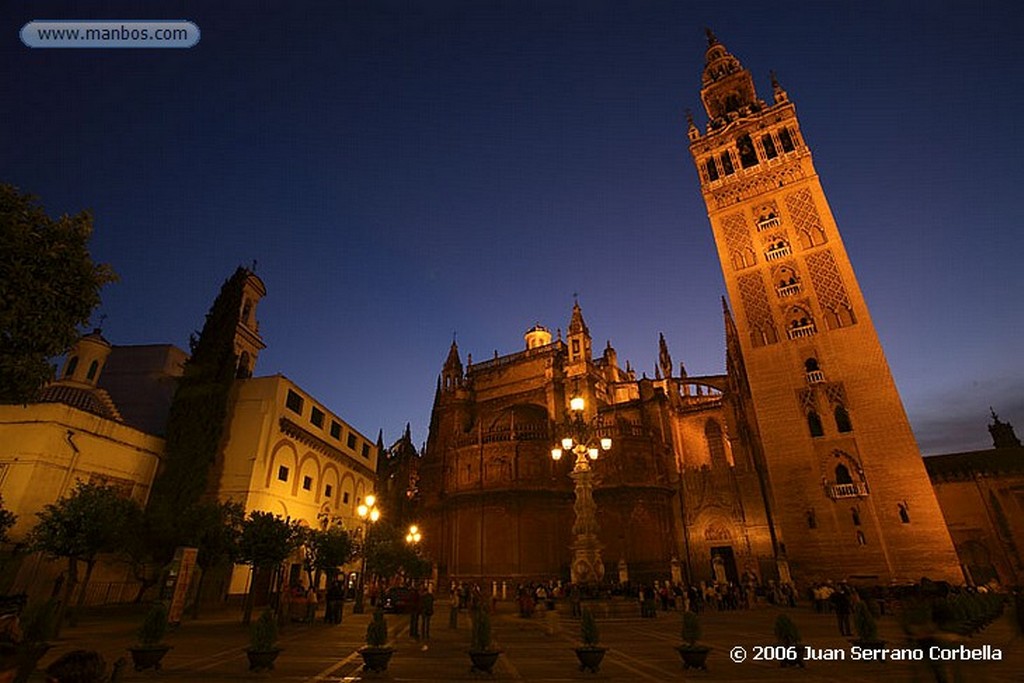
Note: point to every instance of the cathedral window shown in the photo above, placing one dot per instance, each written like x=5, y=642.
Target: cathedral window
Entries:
x=712, y=169
x=282, y=473
x=814, y=424
x=316, y=416
x=727, y=163
x=293, y=402
x=769, y=147
x=861, y=540
x=814, y=373
x=716, y=445
x=855, y=515
x=745, y=148
x=777, y=249
x=904, y=514
x=328, y=490
x=351, y=443
x=786, y=140
x=843, y=474
x=72, y=366
x=366, y=450
x=93, y=367
x=246, y=310
x=344, y=497
x=812, y=519
x=307, y=483
x=786, y=281
x=799, y=323
x=842, y=419
x=335, y=430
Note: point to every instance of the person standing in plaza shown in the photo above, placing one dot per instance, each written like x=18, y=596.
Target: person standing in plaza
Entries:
x=453, y=609
x=426, y=612
x=841, y=605
x=414, y=614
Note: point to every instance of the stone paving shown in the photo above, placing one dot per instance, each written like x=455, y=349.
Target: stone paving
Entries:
x=537, y=649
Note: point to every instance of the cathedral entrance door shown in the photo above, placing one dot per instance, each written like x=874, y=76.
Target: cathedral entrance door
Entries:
x=723, y=564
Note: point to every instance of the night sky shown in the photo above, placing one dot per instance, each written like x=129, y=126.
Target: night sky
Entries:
x=405, y=171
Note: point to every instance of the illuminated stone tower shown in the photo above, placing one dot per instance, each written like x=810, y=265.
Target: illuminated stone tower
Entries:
x=845, y=480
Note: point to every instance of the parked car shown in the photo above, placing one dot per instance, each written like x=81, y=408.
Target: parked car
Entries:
x=398, y=600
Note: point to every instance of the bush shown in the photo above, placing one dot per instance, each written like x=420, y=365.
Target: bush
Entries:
x=588, y=628
x=864, y=623
x=263, y=634
x=691, y=628
x=786, y=632
x=377, y=630
x=154, y=626
x=480, y=636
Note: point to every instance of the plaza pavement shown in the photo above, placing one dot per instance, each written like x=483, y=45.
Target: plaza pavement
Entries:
x=212, y=648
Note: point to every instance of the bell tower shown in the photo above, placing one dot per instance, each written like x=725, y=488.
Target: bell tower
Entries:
x=845, y=480
x=248, y=342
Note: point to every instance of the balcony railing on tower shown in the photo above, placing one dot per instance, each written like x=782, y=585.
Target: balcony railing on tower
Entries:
x=805, y=330
x=852, y=490
x=768, y=223
x=777, y=252
x=788, y=290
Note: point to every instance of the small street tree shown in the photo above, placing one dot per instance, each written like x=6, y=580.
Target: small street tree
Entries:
x=387, y=553
x=265, y=543
x=49, y=287
x=91, y=520
x=326, y=550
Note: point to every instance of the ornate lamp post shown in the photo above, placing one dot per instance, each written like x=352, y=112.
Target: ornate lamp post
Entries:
x=414, y=536
x=368, y=514
x=581, y=439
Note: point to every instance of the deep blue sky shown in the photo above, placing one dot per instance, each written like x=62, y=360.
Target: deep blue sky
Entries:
x=402, y=171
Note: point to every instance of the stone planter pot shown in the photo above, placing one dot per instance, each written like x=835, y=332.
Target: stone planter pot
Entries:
x=148, y=656
x=483, y=660
x=375, y=659
x=590, y=657
x=262, y=660
x=694, y=656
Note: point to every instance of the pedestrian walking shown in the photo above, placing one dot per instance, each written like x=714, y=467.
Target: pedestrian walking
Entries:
x=426, y=612
x=453, y=609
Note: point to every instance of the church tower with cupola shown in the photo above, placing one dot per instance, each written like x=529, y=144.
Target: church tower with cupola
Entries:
x=841, y=468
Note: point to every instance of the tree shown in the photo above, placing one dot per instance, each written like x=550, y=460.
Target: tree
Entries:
x=7, y=520
x=199, y=410
x=92, y=519
x=265, y=543
x=49, y=287
x=387, y=553
x=326, y=550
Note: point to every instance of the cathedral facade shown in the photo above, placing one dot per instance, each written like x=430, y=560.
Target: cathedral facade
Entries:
x=798, y=462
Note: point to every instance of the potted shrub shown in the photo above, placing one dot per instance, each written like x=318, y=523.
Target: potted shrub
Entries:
x=263, y=649
x=151, y=648
x=481, y=651
x=694, y=656
x=376, y=654
x=589, y=652
x=788, y=635
x=866, y=629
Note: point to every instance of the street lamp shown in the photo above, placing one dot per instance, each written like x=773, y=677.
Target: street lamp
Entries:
x=581, y=438
x=414, y=536
x=368, y=514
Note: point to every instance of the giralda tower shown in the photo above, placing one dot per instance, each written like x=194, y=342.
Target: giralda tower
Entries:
x=845, y=484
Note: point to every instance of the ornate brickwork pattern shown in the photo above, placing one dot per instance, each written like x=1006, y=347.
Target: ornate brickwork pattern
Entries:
x=751, y=186
x=737, y=239
x=755, y=303
x=828, y=284
x=836, y=394
x=805, y=215
x=808, y=400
